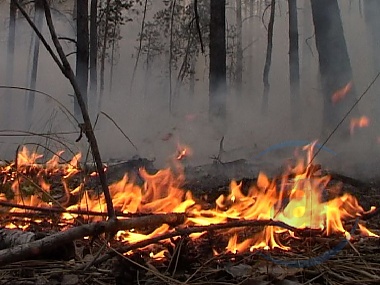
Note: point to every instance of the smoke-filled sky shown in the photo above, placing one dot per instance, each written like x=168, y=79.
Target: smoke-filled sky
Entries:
x=141, y=111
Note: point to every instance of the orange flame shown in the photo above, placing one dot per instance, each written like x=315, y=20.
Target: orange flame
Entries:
x=341, y=93
x=361, y=122
x=296, y=199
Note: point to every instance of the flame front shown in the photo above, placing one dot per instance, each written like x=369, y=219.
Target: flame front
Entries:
x=296, y=198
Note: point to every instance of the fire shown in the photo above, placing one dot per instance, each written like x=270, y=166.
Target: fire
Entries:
x=296, y=199
x=361, y=122
x=341, y=93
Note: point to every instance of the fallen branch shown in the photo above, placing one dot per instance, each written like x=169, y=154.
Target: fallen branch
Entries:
x=49, y=243
x=47, y=210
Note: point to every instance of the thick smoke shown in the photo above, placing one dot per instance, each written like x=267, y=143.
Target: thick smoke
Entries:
x=142, y=110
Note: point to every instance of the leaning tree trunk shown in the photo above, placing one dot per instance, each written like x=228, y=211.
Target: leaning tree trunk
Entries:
x=82, y=55
x=38, y=20
x=7, y=99
x=217, y=76
x=334, y=62
x=239, y=50
x=294, y=66
x=268, y=59
x=93, y=59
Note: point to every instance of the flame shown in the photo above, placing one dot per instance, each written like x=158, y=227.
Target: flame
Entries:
x=361, y=122
x=295, y=198
x=341, y=93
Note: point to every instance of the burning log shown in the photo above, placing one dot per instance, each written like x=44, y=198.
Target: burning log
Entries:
x=41, y=246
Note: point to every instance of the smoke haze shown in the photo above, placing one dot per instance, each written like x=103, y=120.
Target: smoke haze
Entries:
x=142, y=112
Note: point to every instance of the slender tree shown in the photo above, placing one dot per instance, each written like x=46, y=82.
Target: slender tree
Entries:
x=93, y=57
x=239, y=49
x=82, y=54
x=334, y=62
x=217, y=46
x=268, y=59
x=294, y=66
x=7, y=100
x=38, y=20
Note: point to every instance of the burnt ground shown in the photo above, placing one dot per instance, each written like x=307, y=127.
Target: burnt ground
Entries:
x=192, y=262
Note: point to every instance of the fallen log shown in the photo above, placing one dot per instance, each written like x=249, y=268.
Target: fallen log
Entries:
x=49, y=243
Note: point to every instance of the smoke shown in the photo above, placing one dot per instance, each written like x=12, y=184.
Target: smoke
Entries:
x=142, y=111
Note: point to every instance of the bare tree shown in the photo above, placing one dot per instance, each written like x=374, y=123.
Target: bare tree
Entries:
x=38, y=20
x=82, y=54
x=93, y=57
x=268, y=59
x=7, y=100
x=217, y=45
x=239, y=49
x=294, y=66
x=334, y=62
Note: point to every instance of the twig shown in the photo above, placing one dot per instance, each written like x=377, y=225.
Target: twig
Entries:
x=62, y=210
x=117, y=126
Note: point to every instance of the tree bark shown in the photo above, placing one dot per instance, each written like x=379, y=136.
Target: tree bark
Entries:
x=82, y=58
x=38, y=20
x=294, y=66
x=334, y=62
x=7, y=99
x=217, y=75
x=268, y=59
x=93, y=59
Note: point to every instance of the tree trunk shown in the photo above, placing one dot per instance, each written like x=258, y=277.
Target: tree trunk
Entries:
x=93, y=58
x=334, y=62
x=294, y=66
x=371, y=13
x=217, y=75
x=38, y=20
x=268, y=59
x=103, y=54
x=82, y=54
x=239, y=50
x=7, y=99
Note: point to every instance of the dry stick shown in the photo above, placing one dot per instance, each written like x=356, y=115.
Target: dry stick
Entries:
x=117, y=126
x=62, y=210
x=35, y=248
x=87, y=126
x=268, y=59
x=195, y=229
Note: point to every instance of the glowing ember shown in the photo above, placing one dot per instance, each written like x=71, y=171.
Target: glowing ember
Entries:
x=295, y=199
x=361, y=122
x=341, y=93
